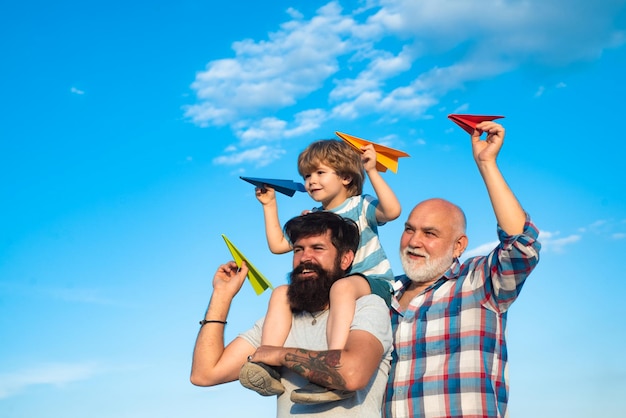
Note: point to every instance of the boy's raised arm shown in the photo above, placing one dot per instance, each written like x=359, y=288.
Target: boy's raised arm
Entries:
x=388, y=204
x=276, y=240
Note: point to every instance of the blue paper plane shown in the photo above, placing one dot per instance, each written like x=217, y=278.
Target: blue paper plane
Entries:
x=286, y=187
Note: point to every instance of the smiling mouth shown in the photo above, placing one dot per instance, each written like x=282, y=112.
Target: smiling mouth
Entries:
x=416, y=255
x=307, y=271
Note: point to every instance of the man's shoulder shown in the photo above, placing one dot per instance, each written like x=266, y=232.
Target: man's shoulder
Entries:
x=372, y=315
x=370, y=311
x=371, y=300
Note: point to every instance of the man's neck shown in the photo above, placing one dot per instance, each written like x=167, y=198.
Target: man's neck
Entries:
x=412, y=290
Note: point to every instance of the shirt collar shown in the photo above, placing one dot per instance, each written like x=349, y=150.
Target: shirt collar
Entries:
x=402, y=282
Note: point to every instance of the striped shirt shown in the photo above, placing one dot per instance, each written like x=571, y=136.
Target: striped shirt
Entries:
x=370, y=258
x=450, y=357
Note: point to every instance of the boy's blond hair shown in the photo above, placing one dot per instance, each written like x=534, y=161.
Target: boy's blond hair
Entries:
x=339, y=156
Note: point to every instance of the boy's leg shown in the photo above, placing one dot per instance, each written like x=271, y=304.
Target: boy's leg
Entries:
x=277, y=322
x=259, y=377
x=343, y=295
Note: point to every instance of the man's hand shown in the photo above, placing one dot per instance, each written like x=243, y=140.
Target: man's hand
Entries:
x=487, y=150
x=229, y=278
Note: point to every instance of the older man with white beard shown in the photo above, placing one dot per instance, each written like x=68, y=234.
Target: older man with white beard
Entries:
x=449, y=319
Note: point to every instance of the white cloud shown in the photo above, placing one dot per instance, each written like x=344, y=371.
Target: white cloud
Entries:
x=272, y=128
x=607, y=229
x=57, y=374
x=540, y=91
x=482, y=249
x=551, y=243
x=548, y=33
x=557, y=245
x=261, y=156
x=77, y=91
x=598, y=224
x=272, y=74
x=462, y=108
x=380, y=60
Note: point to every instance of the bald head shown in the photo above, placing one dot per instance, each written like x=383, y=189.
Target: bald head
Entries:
x=454, y=214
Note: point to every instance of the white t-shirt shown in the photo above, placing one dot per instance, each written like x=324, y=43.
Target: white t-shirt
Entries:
x=371, y=315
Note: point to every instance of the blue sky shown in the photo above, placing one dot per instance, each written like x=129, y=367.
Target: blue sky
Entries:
x=124, y=128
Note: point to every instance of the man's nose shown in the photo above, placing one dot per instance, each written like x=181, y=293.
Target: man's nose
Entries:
x=415, y=240
x=305, y=256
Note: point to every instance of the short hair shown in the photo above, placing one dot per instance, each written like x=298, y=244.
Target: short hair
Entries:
x=338, y=155
x=344, y=232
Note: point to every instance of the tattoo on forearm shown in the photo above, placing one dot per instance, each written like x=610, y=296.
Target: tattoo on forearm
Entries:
x=319, y=367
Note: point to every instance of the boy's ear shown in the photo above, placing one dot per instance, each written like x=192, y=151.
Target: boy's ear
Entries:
x=346, y=180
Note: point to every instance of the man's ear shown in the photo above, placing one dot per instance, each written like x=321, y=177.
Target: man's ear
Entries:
x=460, y=245
x=346, y=260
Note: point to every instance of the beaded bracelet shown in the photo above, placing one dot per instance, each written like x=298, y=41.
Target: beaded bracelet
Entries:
x=209, y=321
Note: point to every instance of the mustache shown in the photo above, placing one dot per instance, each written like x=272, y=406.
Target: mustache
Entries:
x=300, y=268
x=413, y=251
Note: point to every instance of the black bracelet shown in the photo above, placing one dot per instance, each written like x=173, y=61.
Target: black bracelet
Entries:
x=209, y=321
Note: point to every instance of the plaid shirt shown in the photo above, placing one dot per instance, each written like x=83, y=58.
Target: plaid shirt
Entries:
x=450, y=357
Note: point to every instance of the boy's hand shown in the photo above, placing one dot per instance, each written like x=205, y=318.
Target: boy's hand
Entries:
x=265, y=194
x=368, y=157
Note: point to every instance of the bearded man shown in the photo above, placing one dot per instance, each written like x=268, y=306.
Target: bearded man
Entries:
x=323, y=249
x=449, y=319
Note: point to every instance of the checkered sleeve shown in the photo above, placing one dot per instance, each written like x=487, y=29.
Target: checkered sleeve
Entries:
x=508, y=265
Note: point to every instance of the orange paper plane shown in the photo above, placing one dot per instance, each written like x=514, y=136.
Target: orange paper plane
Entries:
x=257, y=280
x=469, y=122
x=386, y=158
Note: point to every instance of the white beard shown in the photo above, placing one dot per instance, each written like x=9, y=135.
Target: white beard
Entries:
x=430, y=270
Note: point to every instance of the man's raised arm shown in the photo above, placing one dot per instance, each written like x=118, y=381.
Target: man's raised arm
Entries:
x=212, y=362
x=509, y=213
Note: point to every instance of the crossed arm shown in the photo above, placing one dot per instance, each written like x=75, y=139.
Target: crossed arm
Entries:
x=213, y=363
x=347, y=369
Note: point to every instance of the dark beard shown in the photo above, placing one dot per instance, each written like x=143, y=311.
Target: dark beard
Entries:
x=311, y=294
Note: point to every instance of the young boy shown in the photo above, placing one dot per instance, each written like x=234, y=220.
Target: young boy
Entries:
x=334, y=176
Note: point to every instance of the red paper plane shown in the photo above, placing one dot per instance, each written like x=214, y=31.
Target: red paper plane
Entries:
x=469, y=122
